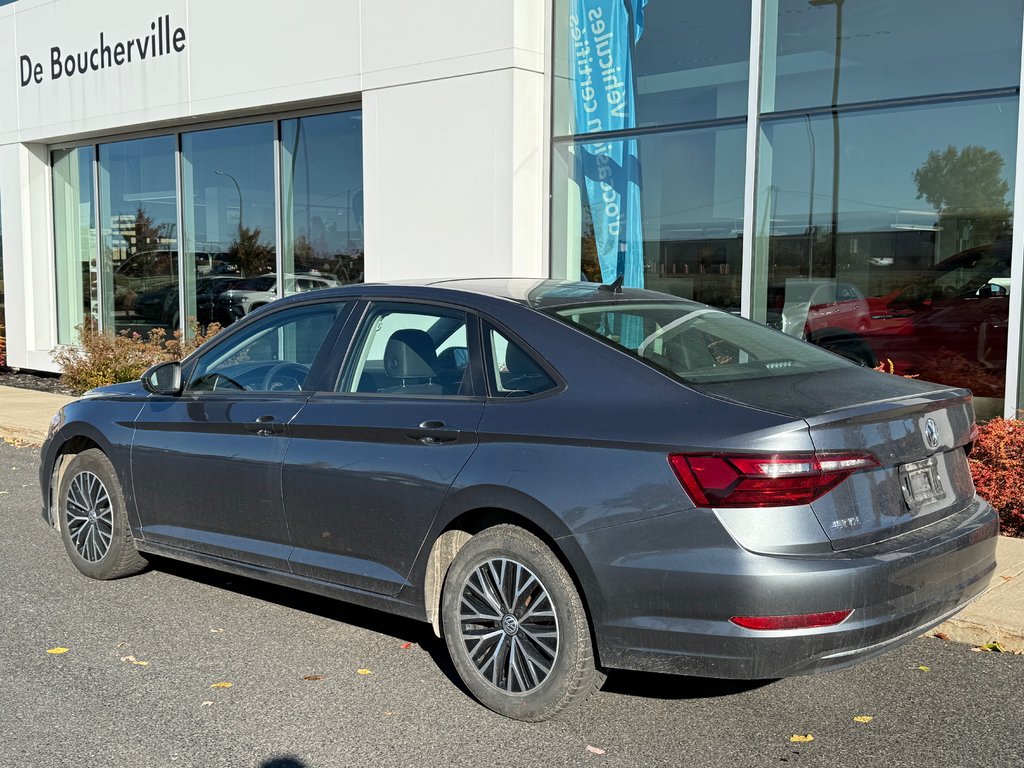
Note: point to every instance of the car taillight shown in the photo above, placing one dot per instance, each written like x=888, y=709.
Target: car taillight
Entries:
x=798, y=621
x=764, y=480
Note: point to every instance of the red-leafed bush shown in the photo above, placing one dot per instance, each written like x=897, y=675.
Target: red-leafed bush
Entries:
x=997, y=464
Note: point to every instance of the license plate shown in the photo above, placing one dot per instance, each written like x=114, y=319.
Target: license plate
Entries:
x=921, y=483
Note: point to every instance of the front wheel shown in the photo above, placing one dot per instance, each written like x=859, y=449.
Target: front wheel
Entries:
x=516, y=628
x=93, y=520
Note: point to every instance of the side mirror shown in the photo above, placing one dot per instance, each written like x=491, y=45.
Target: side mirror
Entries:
x=163, y=379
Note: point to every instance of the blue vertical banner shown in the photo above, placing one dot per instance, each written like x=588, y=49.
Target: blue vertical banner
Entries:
x=603, y=35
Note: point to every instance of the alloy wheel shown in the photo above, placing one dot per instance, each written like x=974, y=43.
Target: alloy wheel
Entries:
x=89, y=516
x=508, y=625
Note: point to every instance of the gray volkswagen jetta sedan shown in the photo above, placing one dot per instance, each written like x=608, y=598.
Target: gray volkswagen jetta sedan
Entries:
x=561, y=477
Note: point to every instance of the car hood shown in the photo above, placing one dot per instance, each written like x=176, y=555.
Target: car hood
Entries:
x=120, y=390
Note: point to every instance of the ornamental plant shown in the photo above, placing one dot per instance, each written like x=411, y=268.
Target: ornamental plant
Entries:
x=106, y=358
x=3, y=348
x=997, y=465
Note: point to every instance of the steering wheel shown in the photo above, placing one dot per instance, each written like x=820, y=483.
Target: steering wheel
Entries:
x=285, y=377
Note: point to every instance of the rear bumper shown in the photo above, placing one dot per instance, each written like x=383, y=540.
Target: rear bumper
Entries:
x=668, y=610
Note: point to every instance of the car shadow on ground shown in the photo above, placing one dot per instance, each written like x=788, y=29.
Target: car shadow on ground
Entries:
x=649, y=685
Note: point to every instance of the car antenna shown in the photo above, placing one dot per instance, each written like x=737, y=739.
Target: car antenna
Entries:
x=614, y=287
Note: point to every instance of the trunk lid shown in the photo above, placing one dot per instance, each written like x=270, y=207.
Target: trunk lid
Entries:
x=916, y=430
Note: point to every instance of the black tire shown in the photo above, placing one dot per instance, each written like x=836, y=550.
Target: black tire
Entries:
x=93, y=520
x=523, y=691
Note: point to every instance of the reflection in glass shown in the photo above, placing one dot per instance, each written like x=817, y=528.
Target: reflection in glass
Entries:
x=138, y=225
x=692, y=203
x=910, y=268
x=74, y=221
x=230, y=229
x=691, y=60
x=823, y=52
x=322, y=198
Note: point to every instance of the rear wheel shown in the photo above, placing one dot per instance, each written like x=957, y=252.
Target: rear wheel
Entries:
x=516, y=628
x=93, y=521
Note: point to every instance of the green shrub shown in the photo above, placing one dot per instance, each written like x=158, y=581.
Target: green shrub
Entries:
x=105, y=358
x=997, y=465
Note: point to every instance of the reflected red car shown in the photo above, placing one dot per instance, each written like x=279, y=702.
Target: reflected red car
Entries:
x=950, y=324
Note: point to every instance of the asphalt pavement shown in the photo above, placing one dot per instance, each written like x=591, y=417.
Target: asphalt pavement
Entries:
x=135, y=686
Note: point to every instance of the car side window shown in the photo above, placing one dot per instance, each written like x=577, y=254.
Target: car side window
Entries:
x=408, y=350
x=511, y=371
x=272, y=355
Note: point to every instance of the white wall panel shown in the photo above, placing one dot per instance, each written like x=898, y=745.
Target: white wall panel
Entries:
x=269, y=52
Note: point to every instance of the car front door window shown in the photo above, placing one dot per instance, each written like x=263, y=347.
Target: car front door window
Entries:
x=274, y=355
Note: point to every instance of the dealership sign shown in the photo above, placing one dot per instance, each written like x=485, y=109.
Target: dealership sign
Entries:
x=160, y=40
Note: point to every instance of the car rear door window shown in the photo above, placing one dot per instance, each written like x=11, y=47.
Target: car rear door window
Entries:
x=410, y=350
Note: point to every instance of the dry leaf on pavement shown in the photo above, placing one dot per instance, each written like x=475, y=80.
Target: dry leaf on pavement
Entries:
x=595, y=750
x=364, y=672
x=863, y=719
x=221, y=685
x=925, y=669
x=313, y=677
x=57, y=651
x=797, y=738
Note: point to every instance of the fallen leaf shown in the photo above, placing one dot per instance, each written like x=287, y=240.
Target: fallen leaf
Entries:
x=797, y=738
x=57, y=651
x=388, y=714
x=206, y=704
x=863, y=719
x=364, y=672
x=135, y=661
x=221, y=685
x=1006, y=578
x=217, y=629
x=941, y=636
x=977, y=649
x=122, y=644
x=994, y=646
x=595, y=750
x=313, y=677
x=406, y=646
x=925, y=669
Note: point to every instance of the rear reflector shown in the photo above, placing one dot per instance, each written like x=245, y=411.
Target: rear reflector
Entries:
x=764, y=480
x=799, y=621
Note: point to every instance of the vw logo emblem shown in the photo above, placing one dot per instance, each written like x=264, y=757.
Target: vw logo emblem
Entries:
x=510, y=624
x=931, y=434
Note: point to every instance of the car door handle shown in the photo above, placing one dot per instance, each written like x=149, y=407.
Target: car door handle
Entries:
x=433, y=432
x=266, y=425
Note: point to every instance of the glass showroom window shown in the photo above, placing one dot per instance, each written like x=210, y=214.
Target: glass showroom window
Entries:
x=74, y=220
x=690, y=206
x=230, y=228
x=824, y=52
x=138, y=228
x=909, y=265
x=689, y=61
x=662, y=208
x=322, y=200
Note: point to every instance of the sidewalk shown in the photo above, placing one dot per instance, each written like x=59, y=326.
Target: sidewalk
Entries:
x=998, y=615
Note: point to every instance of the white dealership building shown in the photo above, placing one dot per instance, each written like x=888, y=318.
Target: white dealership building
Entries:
x=846, y=172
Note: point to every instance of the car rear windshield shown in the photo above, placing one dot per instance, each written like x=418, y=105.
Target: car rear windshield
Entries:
x=698, y=344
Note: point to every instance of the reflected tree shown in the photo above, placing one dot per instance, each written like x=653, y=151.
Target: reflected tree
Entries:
x=148, y=234
x=967, y=183
x=252, y=256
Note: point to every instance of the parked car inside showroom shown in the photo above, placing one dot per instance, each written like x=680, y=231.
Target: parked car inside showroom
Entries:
x=562, y=478
x=246, y=295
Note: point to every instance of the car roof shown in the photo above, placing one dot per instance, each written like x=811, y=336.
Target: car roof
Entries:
x=537, y=293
